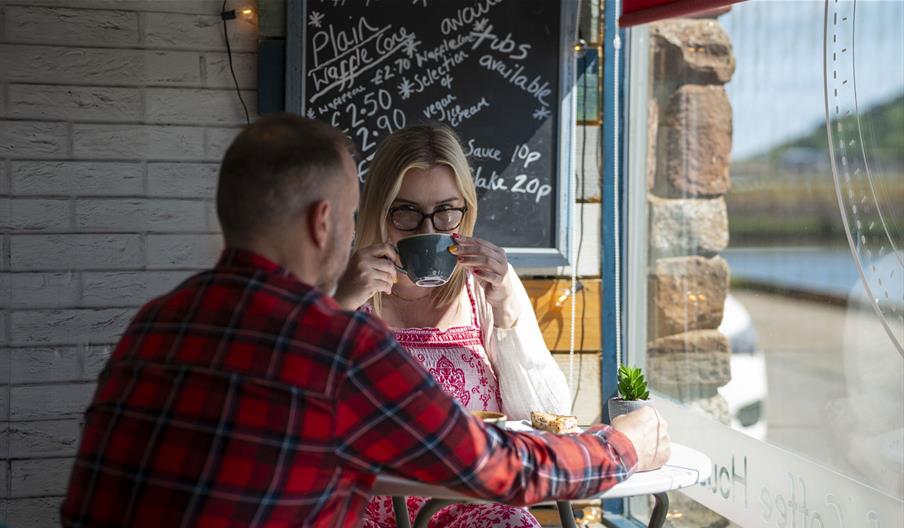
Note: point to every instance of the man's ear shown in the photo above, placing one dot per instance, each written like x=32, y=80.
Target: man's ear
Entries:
x=319, y=223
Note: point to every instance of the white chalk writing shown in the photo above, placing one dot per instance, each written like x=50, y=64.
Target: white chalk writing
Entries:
x=337, y=3
x=506, y=45
x=362, y=69
x=339, y=100
x=315, y=19
x=421, y=81
x=541, y=113
x=386, y=123
x=437, y=53
x=341, y=56
x=483, y=152
x=334, y=44
x=494, y=183
x=523, y=184
x=466, y=15
x=436, y=106
x=525, y=154
x=455, y=115
x=537, y=87
x=388, y=71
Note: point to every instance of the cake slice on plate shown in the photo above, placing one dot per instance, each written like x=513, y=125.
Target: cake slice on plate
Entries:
x=554, y=423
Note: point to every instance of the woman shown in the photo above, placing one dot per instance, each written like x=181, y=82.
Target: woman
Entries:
x=477, y=334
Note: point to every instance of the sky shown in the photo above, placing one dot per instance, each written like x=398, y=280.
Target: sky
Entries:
x=777, y=89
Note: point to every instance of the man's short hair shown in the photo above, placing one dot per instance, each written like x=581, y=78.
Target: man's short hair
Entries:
x=274, y=170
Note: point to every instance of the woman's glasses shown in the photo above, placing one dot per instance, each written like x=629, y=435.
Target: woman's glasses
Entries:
x=407, y=218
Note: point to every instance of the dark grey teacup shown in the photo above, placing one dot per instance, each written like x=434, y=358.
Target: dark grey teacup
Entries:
x=426, y=258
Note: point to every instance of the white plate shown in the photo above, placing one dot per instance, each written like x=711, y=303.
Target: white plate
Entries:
x=523, y=426
x=519, y=425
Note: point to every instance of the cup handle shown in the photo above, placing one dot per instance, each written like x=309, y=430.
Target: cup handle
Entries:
x=397, y=267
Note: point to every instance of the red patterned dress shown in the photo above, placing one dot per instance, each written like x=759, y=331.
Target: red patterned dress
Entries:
x=457, y=359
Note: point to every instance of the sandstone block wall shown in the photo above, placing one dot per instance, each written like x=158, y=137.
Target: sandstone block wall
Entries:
x=688, y=175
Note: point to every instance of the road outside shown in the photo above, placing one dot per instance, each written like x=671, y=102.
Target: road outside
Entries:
x=835, y=386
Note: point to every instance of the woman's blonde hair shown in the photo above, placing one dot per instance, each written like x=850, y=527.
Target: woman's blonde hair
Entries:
x=415, y=147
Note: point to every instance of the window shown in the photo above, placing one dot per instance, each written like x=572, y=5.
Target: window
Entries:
x=771, y=320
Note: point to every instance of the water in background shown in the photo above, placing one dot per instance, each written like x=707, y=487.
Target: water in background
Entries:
x=819, y=270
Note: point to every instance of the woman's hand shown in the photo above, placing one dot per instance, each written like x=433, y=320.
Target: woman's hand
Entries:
x=490, y=267
x=370, y=270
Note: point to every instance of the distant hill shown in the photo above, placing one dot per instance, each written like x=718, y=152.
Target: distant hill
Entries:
x=883, y=129
x=787, y=193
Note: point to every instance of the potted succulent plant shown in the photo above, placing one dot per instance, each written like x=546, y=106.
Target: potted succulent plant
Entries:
x=632, y=388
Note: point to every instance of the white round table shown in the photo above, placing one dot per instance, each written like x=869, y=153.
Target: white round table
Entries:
x=685, y=467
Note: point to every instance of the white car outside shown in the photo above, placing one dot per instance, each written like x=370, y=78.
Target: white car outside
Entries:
x=746, y=392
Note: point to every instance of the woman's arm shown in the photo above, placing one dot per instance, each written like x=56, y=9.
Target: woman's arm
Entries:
x=529, y=378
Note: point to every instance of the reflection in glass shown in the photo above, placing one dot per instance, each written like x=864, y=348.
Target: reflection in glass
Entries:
x=806, y=283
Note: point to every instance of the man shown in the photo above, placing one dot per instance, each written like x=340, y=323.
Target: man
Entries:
x=247, y=397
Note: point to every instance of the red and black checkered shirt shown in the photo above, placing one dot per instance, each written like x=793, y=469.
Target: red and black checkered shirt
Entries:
x=246, y=398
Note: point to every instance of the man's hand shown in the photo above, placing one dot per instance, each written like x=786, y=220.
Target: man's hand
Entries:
x=370, y=270
x=648, y=431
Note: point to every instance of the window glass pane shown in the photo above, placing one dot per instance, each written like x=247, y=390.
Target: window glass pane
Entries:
x=775, y=253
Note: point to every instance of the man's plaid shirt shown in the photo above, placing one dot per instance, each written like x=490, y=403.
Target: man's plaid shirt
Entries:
x=246, y=398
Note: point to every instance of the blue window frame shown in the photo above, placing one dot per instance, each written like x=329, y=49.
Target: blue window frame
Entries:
x=613, y=277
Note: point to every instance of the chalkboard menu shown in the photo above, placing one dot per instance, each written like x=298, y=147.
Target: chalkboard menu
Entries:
x=499, y=72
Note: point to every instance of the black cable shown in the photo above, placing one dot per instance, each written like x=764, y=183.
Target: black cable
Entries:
x=577, y=258
x=230, y=15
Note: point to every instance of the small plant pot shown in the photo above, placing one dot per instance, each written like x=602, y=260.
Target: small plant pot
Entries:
x=618, y=406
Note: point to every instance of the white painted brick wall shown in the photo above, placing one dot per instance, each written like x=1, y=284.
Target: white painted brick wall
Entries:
x=127, y=288
x=183, y=180
x=31, y=139
x=158, y=215
x=4, y=405
x=29, y=24
x=201, y=32
x=44, y=290
x=34, y=513
x=35, y=365
x=198, y=7
x=138, y=142
x=213, y=221
x=35, y=214
x=130, y=67
x=38, y=403
x=183, y=251
x=39, y=477
x=71, y=252
x=69, y=178
x=4, y=258
x=51, y=438
x=113, y=118
x=4, y=479
x=4, y=179
x=5, y=377
x=204, y=106
x=81, y=325
x=219, y=76
x=218, y=140
x=87, y=103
